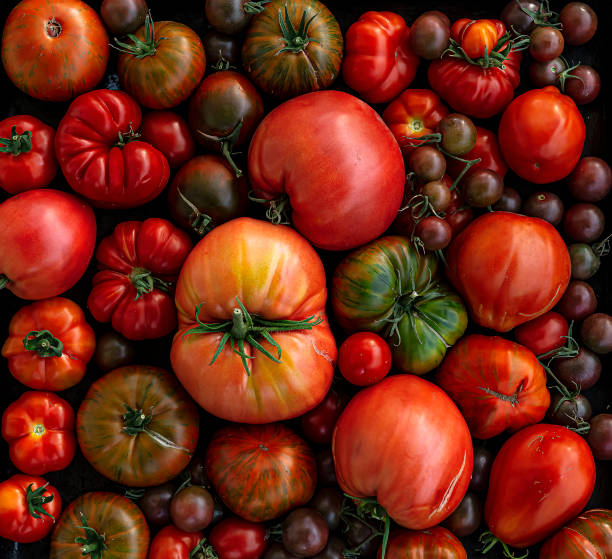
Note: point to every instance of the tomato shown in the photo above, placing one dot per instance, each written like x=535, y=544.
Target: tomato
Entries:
x=318, y=423
x=123, y=16
x=243, y=332
x=54, y=50
x=137, y=426
x=336, y=161
x=140, y=263
x=100, y=156
x=172, y=543
x=260, y=471
x=49, y=344
x=389, y=288
x=234, y=538
x=544, y=333
x=497, y=384
x=105, y=524
x=28, y=508
x=39, y=428
x=503, y=289
x=27, y=157
x=379, y=62
x=169, y=133
x=529, y=495
x=588, y=536
x=541, y=135
x=31, y=266
x=415, y=113
x=404, y=432
x=477, y=37
x=435, y=542
x=291, y=49
x=487, y=149
x=163, y=65
x=113, y=351
x=364, y=358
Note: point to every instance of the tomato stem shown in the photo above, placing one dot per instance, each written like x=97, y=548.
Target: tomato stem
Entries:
x=126, y=137
x=53, y=28
x=43, y=342
x=4, y=281
x=145, y=282
x=134, y=493
x=93, y=544
x=277, y=209
x=203, y=551
x=254, y=7
x=138, y=47
x=370, y=508
x=36, y=500
x=489, y=541
x=17, y=143
x=227, y=144
x=200, y=222
x=296, y=40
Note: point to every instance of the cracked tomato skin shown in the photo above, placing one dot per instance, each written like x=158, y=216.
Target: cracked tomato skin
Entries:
x=434, y=543
x=542, y=477
x=276, y=275
x=497, y=384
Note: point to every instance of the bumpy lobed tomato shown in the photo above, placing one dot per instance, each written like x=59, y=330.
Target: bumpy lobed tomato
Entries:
x=435, y=542
x=544, y=333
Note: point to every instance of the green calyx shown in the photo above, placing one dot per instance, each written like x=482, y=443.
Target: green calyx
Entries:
x=566, y=74
x=245, y=327
x=4, y=281
x=138, y=47
x=369, y=509
x=498, y=55
x=135, y=421
x=44, y=343
x=126, y=137
x=200, y=222
x=296, y=39
x=489, y=541
x=17, y=143
x=227, y=145
x=145, y=282
x=543, y=16
x=277, y=208
x=36, y=499
x=93, y=544
x=203, y=551
x=254, y=7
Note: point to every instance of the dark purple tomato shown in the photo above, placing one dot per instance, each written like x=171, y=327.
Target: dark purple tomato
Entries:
x=482, y=188
x=583, y=84
x=438, y=194
x=509, y=201
x=155, y=504
x=435, y=233
x=483, y=459
x=466, y=518
x=579, y=23
x=113, y=351
x=579, y=372
x=277, y=551
x=546, y=73
x=305, y=532
x=326, y=472
x=600, y=436
x=197, y=471
x=359, y=537
x=585, y=262
x=596, y=333
x=458, y=134
x=231, y=16
x=591, y=180
x=191, y=509
x=569, y=413
x=334, y=549
x=546, y=43
x=516, y=17
x=427, y=163
x=578, y=301
x=584, y=222
x=222, y=51
x=318, y=423
x=123, y=16
x=429, y=35
x=328, y=502
x=545, y=205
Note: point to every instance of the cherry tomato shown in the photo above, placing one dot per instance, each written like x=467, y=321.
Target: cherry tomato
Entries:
x=569, y=413
x=191, y=509
x=429, y=35
x=584, y=222
x=583, y=84
x=546, y=43
x=591, y=180
x=543, y=334
x=170, y=134
x=596, y=333
x=155, y=504
x=483, y=459
x=509, y=201
x=305, y=532
x=427, y=163
x=364, y=358
x=235, y=538
x=579, y=372
x=326, y=472
x=123, y=16
x=579, y=23
x=600, y=436
x=578, y=301
x=545, y=205
x=434, y=233
x=318, y=424
x=328, y=502
x=172, y=543
x=466, y=518
x=482, y=188
x=114, y=351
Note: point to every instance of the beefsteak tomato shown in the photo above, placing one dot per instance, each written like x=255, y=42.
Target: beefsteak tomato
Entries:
x=332, y=157
x=434, y=543
x=49, y=344
x=140, y=263
x=496, y=383
x=487, y=149
x=504, y=288
x=249, y=348
x=172, y=543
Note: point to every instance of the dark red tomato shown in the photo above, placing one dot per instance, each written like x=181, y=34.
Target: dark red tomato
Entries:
x=487, y=149
x=234, y=538
x=584, y=222
x=434, y=543
x=596, y=333
x=466, y=518
x=578, y=301
x=591, y=180
x=172, y=543
x=192, y=508
x=458, y=214
x=232, y=16
x=545, y=43
x=544, y=333
x=583, y=84
x=429, y=34
x=364, y=358
x=169, y=133
x=579, y=23
x=318, y=423
x=222, y=51
x=529, y=495
x=582, y=371
x=541, y=135
x=54, y=50
x=600, y=436
x=114, y=351
x=27, y=156
x=123, y=16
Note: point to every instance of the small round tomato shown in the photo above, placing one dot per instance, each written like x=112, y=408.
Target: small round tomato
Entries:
x=544, y=333
x=172, y=543
x=318, y=424
x=170, y=134
x=364, y=358
x=234, y=538
x=476, y=36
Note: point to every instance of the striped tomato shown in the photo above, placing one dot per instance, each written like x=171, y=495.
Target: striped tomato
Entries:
x=435, y=543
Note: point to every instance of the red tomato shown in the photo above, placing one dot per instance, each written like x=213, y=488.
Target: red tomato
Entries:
x=364, y=358
x=504, y=288
x=476, y=37
x=54, y=50
x=140, y=263
x=497, y=384
x=172, y=543
x=487, y=149
x=169, y=133
x=318, y=423
x=404, y=432
x=46, y=260
x=49, y=344
x=541, y=135
x=415, y=113
x=28, y=508
x=234, y=538
x=542, y=477
x=99, y=155
x=27, y=156
x=338, y=163
x=544, y=333
x=435, y=543
x=39, y=428
x=378, y=60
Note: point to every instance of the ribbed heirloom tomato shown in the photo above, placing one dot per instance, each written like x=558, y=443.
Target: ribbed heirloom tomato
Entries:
x=434, y=543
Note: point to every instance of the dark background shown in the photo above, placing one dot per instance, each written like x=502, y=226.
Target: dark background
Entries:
x=79, y=477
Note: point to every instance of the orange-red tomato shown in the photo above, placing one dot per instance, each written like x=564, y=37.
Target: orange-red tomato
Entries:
x=476, y=37
x=435, y=543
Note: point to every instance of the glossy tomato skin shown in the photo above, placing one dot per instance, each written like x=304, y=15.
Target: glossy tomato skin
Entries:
x=318, y=423
x=235, y=538
x=477, y=36
x=140, y=263
x=35, y=366
x=16, y=521
x=119, y=519
x=364, y=358
x=541, y=135
x=54, y=50
x=544, y=333
x=39, y=428
x=434, y=543
x=172, y=543
x=487, y=149
x=35, y=268
x=170, y=75
x=91, y=148
x=254, y=261
x=154, y=455
x=260, y=471
x=428, y=439
x=529, y=497
x=33, y=165
x=496, y=383
x=169, y=133
x=534, y=252
x=379, y=62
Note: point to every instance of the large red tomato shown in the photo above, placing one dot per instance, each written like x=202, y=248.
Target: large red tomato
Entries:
x=435, y=543
x=541, y=135
x=497, y=384
x=253, y=344
x=54, y=50
x=337, y=163
x=506, y=286
x=45, y=260
x=404, y=442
